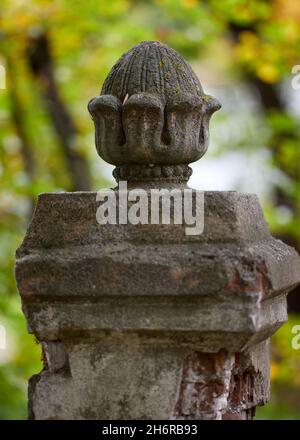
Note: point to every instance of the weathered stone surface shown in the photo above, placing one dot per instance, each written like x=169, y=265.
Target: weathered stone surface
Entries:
x=223, y=385
x=152, y=112
x=78, y=257
x=134, y=376
x=151, y=299
x=143, y=321
x=154, y=68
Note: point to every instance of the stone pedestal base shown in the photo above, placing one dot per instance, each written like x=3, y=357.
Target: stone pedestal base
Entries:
x=132, y=376
x=144, y=322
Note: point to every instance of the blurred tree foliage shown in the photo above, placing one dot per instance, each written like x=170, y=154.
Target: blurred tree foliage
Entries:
x=56, y=54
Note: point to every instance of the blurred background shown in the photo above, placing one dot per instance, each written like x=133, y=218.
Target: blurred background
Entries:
x=54, y=56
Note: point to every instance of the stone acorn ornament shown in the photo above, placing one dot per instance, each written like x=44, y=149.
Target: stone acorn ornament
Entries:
x=152, y=116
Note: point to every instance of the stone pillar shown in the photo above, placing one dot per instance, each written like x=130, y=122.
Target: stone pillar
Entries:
x=145, y=321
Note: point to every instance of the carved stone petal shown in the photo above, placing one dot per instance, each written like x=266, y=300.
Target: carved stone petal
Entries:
x=143, y=120
x=106, y=111
x=210, y=105
x=184, y=117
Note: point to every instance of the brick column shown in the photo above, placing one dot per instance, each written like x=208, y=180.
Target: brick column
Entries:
x=144, y=321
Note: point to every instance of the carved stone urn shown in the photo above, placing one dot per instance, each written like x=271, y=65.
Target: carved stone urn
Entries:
x=152, y=116
x=142, y=321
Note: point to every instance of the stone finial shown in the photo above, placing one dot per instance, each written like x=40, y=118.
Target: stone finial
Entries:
x=141, y=321
x=152, y=116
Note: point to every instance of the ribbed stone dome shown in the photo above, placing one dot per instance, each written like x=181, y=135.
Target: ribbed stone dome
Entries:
x=152, y=116
x=154, y=68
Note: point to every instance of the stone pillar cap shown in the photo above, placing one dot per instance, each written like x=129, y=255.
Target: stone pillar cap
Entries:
x=152, y=116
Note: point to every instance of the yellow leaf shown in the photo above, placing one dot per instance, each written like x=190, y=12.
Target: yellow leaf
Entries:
x=268, y=73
